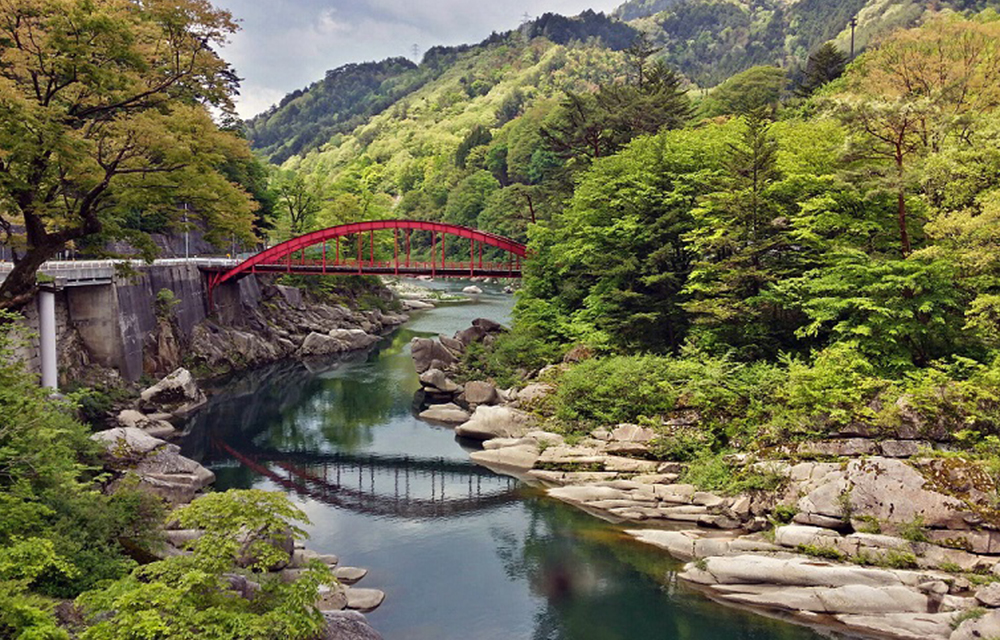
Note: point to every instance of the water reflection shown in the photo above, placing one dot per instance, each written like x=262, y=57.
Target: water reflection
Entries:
x=461, y=553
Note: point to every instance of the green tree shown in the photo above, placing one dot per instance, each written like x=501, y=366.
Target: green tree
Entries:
x=754, y=89
x=825, y=65
x=103, y=110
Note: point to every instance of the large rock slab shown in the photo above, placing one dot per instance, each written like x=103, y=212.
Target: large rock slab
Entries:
x=153, y=426
x=430, y=354
x=348, y=625
x=907, y=626
x=178, y=393
x=495, y=422
x=883, y=488
x=158, y=465
x=984, y=628
x=438, y=380
x=364, y=599
x=478, y=392
x=446, y=413
x=353, y=339
x=521, y=457
x=794, y=571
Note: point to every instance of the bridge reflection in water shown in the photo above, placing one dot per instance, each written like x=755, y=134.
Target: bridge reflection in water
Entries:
x=381, y=485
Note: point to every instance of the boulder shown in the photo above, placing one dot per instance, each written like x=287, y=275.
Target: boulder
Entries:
x=353, y=339
x=154, y=427
x=906, y=626
x=532, y=393
x=446, y=413
x=438, y=380
x=470, y=335
x=416, y=305
x=331, y=598
x=451, y=344
x=178, y=393
x=349, y=575
x=487, y=325
x=988, y=626
x=489, y=422
x=517, y=457
x=632, y=433
x=430, y=354
x=158, y=465
x=478, y=392
x=291, y=295
x=989, y=596
x=129, y=443
x=364, y=599
x=319, y=344
x=348, y=625
x=472, y=289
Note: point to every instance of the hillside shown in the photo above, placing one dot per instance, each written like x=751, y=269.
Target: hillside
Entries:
x=349, y=95
x=710, y=40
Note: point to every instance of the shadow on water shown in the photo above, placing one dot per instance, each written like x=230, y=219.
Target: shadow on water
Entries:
x=462, y=553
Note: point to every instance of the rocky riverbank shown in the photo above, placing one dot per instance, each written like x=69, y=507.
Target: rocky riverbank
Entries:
x=137, y=455
x=876, y=536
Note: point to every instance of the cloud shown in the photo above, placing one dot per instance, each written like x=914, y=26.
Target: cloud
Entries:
x=288, y=44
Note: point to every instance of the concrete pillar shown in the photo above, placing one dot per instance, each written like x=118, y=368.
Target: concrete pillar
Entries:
x=47, y=338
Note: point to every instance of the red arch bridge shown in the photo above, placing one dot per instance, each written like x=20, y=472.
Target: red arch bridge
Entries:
x=338, y=255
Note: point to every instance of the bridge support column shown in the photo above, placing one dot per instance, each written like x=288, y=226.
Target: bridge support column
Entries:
x=47, y=337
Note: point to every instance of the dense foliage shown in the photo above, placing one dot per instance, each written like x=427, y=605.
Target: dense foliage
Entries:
x=105, y=112
x=796, y=267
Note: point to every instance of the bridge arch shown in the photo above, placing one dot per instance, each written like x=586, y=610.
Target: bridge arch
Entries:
x=279, y=258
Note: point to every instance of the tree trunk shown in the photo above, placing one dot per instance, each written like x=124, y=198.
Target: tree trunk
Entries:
x=904, y=236
x=19, y=287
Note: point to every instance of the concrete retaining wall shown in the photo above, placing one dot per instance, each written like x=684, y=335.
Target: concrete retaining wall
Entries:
x=113, y=321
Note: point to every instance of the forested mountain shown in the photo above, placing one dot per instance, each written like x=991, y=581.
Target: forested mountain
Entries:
x=710, y=40
x=349, y=95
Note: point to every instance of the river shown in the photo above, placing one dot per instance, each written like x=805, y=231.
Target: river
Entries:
x=462, y=554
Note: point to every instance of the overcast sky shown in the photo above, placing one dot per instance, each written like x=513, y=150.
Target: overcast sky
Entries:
x=287, y=44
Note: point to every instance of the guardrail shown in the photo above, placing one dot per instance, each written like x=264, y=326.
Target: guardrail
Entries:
x=87, y=272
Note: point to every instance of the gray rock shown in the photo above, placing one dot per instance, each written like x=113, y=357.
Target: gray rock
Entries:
x=487, y=325
x=489, y=422
x=349, y=575
x=331, y=599
x=906, y=626
x=901, y=448
x=844, y=447
x=470, y=335
x=989, y=596
x=128, y=442
x=437, y=379
x=446, y=413
x=478, y=392
x=430, y=354
x=985, y=627
x=472, y=289
x=532, y=393
x=318, y=344
x=416, y=305
x=451, y=344
x=353, y=339
x=364, y=599
x=632, y=433
x=155, y=427
x=178, y=393
x=348, y=625
x=518, y=457
x=291, y=295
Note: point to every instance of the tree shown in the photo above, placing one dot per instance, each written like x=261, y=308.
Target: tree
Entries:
x=755, y=88
x=103, y=110
x=744, y=244
x=825, y=65
x=638, y=53
x=299, y=200
x=918, y=90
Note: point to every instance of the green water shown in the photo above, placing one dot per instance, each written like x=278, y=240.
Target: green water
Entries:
x=461, y=553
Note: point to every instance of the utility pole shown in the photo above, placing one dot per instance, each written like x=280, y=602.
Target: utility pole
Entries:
x=415, y=50
x=854, y=23
x=187, y=242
